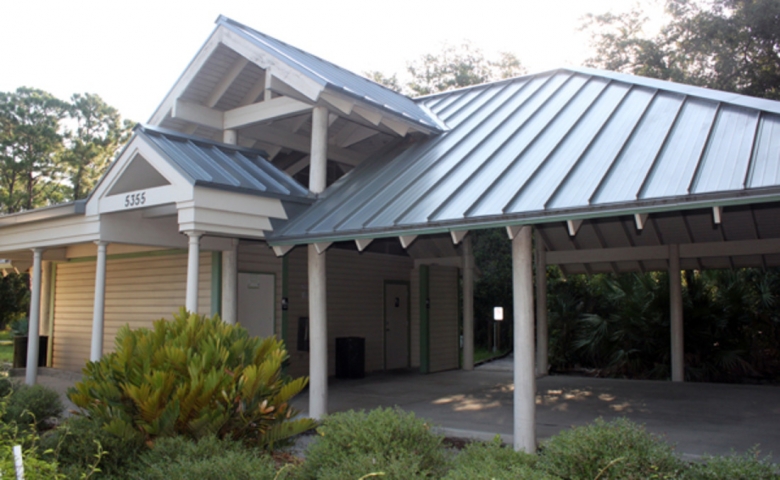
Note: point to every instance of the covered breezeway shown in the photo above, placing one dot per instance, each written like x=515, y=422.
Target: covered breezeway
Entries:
x=698, y=418
x=598, y=171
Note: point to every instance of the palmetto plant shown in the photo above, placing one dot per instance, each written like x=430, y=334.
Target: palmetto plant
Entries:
x=619, y=324
x=192, y=376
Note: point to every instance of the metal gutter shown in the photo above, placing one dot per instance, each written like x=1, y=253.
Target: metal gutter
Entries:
x=532, y=218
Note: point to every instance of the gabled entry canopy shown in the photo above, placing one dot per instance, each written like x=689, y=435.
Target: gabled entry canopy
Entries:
x=260, y=92
x=219, y=189
x=625, y=161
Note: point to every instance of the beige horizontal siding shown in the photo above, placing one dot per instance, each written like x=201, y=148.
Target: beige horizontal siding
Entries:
x=138, y=291
x=355, y=297
x=443, y=322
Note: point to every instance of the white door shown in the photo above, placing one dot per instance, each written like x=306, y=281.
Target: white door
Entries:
x=396, y=326
x=256, y=303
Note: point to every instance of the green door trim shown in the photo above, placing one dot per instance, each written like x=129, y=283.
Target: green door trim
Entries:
x=408, y=320
x=425, y=364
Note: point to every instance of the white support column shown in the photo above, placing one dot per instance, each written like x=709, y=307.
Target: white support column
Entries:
x=468, y=305
x=318, y=307
x=230, y=284
x=98, y=309
x=193, y=265
x=318, y=164
x=676, y=315
x=230, y=136
x=525, y=380
x=318, y=330
x=541, y=308
x=33, y=335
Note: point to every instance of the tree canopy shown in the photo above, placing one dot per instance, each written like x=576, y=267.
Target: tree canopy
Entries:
x=731, y=45
x=53, y=150
x=455, y=66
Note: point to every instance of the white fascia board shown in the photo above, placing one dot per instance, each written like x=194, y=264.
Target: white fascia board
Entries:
x=51, y=233
x=137, y=146
x=206, y=216
x=144, y=198
x=234, y=202
x=301, y=82
x=186, y=78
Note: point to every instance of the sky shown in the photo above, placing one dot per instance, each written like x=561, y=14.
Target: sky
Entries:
x=131, y=53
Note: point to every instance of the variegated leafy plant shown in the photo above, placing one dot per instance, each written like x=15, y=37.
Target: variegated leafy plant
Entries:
x=193, y=376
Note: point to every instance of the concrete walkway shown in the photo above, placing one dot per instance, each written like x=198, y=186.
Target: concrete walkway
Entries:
x=697, y=418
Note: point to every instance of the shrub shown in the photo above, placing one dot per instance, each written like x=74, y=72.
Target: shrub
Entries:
x=353, y=444
x=734, y=467
x=192, y=376
x=35, y=467
x=81, y=443
x=207, y=459
x=494, y=461
x=618, y=449
x=6, y=387
x=32, y=405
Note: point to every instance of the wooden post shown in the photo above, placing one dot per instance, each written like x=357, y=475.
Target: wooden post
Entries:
x=98, y=306
x=193, y=265
x=676, y=314
x=541, y=307
x=33, y=332
x=468, y=305
x=318, y=307
x=525, y=380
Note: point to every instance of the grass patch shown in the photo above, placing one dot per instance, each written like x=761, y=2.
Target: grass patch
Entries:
x=483, y=353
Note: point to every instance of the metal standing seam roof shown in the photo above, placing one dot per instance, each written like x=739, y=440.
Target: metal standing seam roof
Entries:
x=228, y=167
x=565, y=144
x=338, y=78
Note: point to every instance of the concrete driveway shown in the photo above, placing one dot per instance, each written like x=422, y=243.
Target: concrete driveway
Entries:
x=697, y=418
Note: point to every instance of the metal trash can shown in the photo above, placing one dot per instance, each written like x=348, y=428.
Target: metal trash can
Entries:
x=350, y=357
